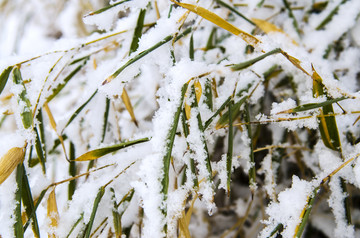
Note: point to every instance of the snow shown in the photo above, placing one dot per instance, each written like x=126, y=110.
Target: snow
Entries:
x=43, y=38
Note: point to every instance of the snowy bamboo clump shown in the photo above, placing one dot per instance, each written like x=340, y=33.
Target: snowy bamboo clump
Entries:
x=164, y=118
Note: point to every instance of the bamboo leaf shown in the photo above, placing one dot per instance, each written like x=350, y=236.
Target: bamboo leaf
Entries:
x=125, y=98
x=253, y=61
x=52, y=213
x=4, y=76
x=95, y=154
x=29, y=202
x=26, y=113
x=212, y=17
x=138, y=31
x=327, y=125
x=10, y=161
x=18, y=227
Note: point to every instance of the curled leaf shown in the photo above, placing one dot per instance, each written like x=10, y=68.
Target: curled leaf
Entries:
x=10, y=161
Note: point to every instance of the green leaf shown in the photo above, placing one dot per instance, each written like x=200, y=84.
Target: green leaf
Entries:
x=29, y=202
x=329, y=17
x=235, y=11
x=224, y=119
x=95, y=154
x=169, y=145
x=309, y=106
x=18, y=228
x=248, y=63
x=191, y=48
x=26, y=113
x=39, y=150
x=208, y=95
x=93, y=213
x=107, y=8
x=230, y=147
x=74, y=115
x=221, y=108
x=138, y=31
x=327, y=125
x=4, y=77
x=59, y=87
x=106, y=117
x=144, y=53
x=252, y=170
x=72, y=171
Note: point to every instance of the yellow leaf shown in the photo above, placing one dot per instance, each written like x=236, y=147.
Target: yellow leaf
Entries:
x=187, y=111
x=198, y=90
x=217, y=20
x=129, y=108
x=10, y=161
x=295, y=62
x=268, y=27
x=52, y=212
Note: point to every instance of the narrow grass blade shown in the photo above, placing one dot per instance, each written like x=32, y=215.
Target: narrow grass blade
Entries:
x=39, y=150
x=93, y=213
x=208, y=95
x=277, y=229
x=234, y=11
x=221, y=108
x=291, y=15
x=116, y=216
x=106, y=8
x=329, y=17
x=296, y=62
x=29, y=202
x=4, y=76
x=72, y=171
x=138, y=31
x=57, y=142
x=53, y=125
x=10, y=161
x=202, y=136
x=192, y=162
x=95, y=154
x=327, y=125
x=224, y=119
x=212, y=40
x=212, y=17
x=125, y=98
x=144, y=53
x=230, y=147
x=85, y=58
x=40, y=126
x=309, y=106
x=105, y=121
x=75, y=225
x=52, y=212
x=191, y=48
x=252, y=171
x=18, y=227
x=26, y=113
x=253, y=61
x=76, y=113
x=169, y=145
x=57, y=90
